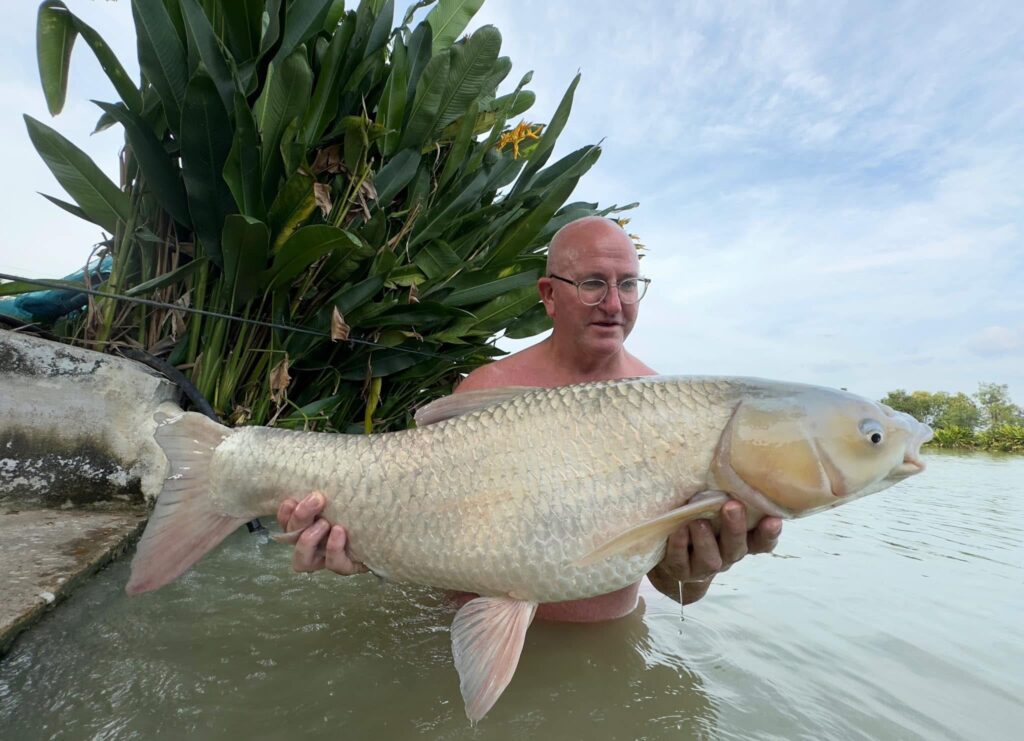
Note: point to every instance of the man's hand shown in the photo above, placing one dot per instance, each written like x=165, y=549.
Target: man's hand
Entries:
x=694, y=556
x=321, y=545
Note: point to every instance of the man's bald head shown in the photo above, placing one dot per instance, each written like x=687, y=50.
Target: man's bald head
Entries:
x=571, y=239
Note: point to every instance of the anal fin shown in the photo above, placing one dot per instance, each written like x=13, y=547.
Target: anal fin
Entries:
x=647, y=534
x=487, y=639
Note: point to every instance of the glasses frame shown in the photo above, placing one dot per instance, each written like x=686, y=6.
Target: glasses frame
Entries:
x=607, y=287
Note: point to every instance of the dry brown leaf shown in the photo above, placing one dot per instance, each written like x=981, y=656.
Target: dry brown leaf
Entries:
x=279, y=380
x=329, y=159
x=414, y=294
x=322, y=194
x=339, y=329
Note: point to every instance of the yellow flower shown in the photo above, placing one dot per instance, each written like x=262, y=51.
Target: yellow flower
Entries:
x=517, y=136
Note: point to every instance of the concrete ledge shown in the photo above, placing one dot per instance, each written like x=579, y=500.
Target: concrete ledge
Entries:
x=46, y=553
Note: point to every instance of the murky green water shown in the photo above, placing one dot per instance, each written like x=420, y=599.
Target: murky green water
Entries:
x=900, y=616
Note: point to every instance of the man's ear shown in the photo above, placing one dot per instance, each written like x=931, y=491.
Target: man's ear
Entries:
x=546, y=290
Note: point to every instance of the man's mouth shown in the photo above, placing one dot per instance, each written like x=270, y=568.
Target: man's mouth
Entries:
x=607, y=324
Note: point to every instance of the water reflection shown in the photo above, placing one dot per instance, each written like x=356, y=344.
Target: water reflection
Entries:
x=897, y=617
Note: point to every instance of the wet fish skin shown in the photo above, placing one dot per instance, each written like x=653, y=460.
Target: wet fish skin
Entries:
x=537, y=495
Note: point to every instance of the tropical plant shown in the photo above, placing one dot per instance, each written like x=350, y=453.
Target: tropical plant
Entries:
x=958, y=438
x=352, y=191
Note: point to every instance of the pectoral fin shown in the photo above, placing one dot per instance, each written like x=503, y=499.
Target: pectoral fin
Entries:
x=487, y=638
x=648, y=534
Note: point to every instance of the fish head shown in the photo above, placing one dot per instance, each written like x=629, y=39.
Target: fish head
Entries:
x=815, y=448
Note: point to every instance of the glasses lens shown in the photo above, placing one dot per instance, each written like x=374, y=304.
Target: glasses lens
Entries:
x=592, y=291
x=632, y=290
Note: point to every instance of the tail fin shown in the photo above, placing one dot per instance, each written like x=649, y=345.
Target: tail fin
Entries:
x=184, y=525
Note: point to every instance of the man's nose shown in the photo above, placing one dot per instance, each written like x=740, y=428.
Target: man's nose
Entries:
x=611, y=302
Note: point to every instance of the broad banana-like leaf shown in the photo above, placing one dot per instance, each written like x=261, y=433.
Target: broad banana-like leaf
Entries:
x=425, y=106
x=162, y=58
x=69, y=207
x=532, y=322
x=391, y=108
x=205, y=144
x=161, y=281
x=56, y=29
x=242, y=20
x=323, y=104
x=491, y=289
x=285, y=96
x=161, y=173
x=242, y=168
x=202, y=36
x=246, y=245
x=293, y=205
x=424, y=315
x=301, y=21
x=523, y=232
x=419, y=56
x=437, y=260
x=448, y=19
x=99, y=198
x=55, y=38
x=470, y=66
x=539, y=156
x=395, y=175
x=460, y=148
x=306, y=246
x=573, y=164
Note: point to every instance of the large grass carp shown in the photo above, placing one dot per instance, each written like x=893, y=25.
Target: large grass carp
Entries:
x=531, y=495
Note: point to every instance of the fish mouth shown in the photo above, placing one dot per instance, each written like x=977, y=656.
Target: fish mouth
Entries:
x=912, y=461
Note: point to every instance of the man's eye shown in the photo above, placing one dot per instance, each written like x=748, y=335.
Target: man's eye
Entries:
x=628, y=285
x=592, y=285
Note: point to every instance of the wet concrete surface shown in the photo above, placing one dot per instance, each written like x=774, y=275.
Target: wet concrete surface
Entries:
x=46, y=553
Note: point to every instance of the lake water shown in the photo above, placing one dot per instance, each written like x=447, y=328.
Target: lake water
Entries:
x=900, y=616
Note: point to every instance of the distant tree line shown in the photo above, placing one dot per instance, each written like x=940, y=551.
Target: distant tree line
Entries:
x=986, y=420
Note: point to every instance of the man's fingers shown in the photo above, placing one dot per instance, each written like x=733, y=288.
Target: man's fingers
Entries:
x=732, y=537
x=308, y=555
x=284, y=512
x=336, y=556
x=706, y=558
x=305, y=512
x=764, y=537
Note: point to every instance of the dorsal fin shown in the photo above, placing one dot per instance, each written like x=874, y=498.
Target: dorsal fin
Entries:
x=468, y=401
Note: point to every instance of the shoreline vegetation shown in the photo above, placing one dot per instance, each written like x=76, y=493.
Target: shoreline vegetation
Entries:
x=986, y=420
x=333, y=207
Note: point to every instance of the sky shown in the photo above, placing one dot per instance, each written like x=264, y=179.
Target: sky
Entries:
x=830, y=193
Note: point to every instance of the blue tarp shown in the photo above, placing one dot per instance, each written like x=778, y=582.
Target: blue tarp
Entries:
x=50, y=305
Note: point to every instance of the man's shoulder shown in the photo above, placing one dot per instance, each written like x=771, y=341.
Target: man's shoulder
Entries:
x=506, y=371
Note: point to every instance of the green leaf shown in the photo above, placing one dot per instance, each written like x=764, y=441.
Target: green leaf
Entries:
x=162, y=175
x=422, y=316
x=162, y=58
x=124, y=85
x=323, y=104
x=437, y=259
x=523, y=232
x=285, y=96
x=539, y=155
x=55, y=38
x=460, y=148
x=491, y=289
x=391, y=108
x=470, y=66
x=427, y=103
x=242, y=168
x=206, y=139
x=534, y=321
x=350, y=297
x=69, y=207
x=303, y=19
x=573, y=164
x=179, y=274
x=418, y=57
x=101, y=200
x=395, y=175
x=508, y=306
x=246, y=244
x=293, y=205
x=201, y=34
x=306, y=246
x=242, y=20
x=441, y=216
x=449, y=19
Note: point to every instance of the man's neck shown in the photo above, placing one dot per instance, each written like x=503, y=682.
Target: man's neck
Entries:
x=584, y=366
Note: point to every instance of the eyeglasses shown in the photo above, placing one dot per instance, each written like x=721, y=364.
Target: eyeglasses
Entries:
x=592, y=291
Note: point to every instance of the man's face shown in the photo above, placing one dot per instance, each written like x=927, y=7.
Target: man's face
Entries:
x=606, y=253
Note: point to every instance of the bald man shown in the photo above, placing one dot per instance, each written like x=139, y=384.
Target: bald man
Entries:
x=591, y=290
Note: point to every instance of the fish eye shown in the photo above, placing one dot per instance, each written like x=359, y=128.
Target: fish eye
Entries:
x=873, y=431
